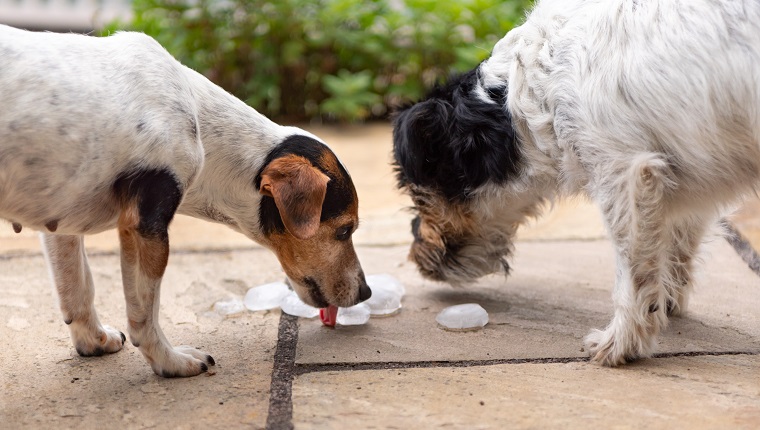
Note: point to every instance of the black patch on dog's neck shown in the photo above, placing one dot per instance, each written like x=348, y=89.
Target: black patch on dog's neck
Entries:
x=340, y=192
x=454, y=141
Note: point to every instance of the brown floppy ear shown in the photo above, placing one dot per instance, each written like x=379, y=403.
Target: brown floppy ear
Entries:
x=298, y=190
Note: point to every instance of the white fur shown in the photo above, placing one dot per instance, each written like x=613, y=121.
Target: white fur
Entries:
x=652, y=109
x=76, y=112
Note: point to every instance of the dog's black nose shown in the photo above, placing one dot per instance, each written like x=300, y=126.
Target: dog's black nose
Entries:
x=416, y=228
x=364, y=292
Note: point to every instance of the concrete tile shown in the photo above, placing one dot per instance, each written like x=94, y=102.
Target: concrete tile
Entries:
x=682, y=392
x=45, y=384
x=557, y=292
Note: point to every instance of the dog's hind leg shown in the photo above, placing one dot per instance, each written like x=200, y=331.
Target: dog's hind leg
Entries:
x=150, y=199
x=635, y=211
x=72, y=278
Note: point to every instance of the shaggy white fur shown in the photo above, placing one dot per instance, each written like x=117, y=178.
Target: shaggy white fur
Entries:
x=652, y=109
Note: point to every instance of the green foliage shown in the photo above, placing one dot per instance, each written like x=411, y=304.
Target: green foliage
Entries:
x=344, y=60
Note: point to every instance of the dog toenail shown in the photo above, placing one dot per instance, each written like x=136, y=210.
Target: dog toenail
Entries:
x=204, y=368
x=210, y=360
x=52, y=225
x=123, y=338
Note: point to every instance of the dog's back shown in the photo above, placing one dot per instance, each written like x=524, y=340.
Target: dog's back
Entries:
x=77, y=112
x=625, y=76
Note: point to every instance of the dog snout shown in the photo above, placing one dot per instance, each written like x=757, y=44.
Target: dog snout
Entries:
x=364, y=291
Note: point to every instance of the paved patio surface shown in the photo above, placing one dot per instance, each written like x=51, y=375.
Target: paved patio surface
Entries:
x=526, y=369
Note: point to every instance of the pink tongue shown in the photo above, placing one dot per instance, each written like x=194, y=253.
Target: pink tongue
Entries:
x=329, y=315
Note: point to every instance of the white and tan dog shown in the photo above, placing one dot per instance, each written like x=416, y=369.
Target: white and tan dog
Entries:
x=649, y=107
x=102, y=133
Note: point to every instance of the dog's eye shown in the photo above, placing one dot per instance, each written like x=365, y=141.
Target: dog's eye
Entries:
x=344, y=232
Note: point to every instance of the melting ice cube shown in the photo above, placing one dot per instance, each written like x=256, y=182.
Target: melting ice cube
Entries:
x=383, y=302
x=229, y=307
x=355, y=315
x=267, y=296
x=292, y=305
x=386, y=294
x=470, y=316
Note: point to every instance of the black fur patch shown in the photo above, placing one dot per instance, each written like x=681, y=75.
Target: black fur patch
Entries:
x=340, y=190
x=454, y=142
x=158, y=194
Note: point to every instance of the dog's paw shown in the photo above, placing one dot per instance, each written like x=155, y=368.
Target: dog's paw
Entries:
x=606, y=350
x=182, y=361
x=93, y=343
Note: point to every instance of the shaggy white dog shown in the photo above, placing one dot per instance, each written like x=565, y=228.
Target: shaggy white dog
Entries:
x=649, y=107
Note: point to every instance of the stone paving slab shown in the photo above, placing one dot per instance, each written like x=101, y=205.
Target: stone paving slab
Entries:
x=706, y=392
x=557, y=292
x=45, y=384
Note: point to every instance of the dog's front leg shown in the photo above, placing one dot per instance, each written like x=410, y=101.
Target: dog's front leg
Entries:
x=143, y=261
x=634, y=206
x=149, y=201
x=71, y=275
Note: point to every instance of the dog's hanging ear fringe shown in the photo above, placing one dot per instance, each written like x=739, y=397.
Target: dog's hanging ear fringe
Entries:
x=456, y=140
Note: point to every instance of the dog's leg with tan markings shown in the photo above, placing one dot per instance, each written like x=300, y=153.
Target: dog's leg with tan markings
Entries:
x=73, y=281
x=642, y=246
x=150, y=199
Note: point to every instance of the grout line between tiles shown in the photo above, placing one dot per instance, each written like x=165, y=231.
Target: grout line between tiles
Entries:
x=301, y=369
x=280, y=415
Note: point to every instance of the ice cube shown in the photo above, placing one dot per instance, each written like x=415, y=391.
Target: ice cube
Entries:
x=386, y=282
x=383, y=302
x=229, y=307
x=292, y=305
x=470, y=316
x=355, y=315
x=267, y=296
x=387, y=292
